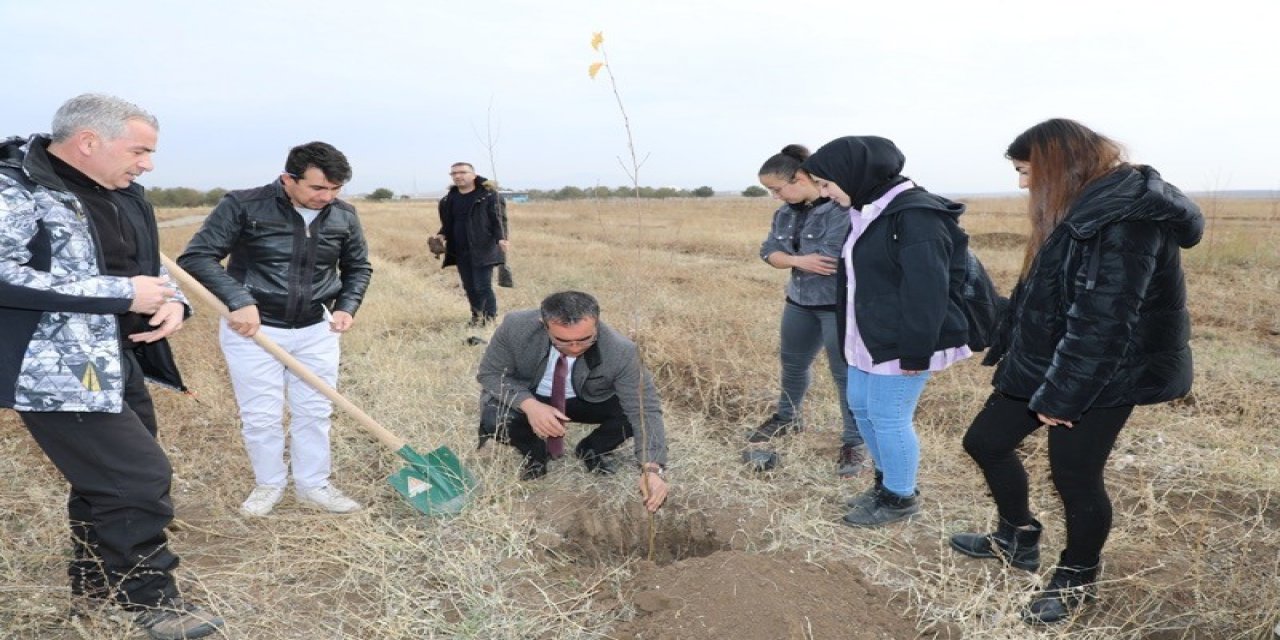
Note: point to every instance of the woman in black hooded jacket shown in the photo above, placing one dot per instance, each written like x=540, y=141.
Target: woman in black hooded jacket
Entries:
x=899, y=315
x=1097, y=324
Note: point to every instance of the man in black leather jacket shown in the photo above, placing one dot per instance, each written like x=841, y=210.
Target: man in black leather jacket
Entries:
x=298, y=271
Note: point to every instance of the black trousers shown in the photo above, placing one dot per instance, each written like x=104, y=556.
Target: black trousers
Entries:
x=119, y=501
x=477, y=282
x=1077, y=459
x=614, y=428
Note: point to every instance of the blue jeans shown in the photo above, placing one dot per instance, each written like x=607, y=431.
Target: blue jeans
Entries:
x=885, y=406
x=804, y=332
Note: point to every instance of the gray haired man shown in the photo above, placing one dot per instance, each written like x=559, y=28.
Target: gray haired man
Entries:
x=85, y=307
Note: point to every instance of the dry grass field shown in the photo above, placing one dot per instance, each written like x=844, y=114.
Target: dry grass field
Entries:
x=735, y=554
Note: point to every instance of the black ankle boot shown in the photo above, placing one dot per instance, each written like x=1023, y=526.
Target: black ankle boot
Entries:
x=868, y=496
x=1019, y=548
x=1068, y=590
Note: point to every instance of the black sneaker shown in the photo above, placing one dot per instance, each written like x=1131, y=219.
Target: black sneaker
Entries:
x=886, y=508
x=178, y=620
x=868, y=496
x=853, y=458
x=775, y=426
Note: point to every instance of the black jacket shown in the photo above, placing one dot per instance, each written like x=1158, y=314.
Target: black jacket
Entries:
x=71, y=317
x=286, y=267
x=909, y=262
x=486, y=225
x=910, y=265
x=1101, y=318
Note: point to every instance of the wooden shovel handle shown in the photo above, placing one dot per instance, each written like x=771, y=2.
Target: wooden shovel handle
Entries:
x=190, y=284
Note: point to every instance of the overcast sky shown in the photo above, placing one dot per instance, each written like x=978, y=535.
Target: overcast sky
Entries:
x=712, y=87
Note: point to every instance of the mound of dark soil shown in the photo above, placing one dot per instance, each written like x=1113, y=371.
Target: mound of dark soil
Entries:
x=740, y=595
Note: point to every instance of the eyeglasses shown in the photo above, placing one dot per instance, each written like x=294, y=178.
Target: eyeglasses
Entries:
x=583, y=342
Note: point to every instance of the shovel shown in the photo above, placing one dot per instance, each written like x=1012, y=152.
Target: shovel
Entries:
x=435, y=484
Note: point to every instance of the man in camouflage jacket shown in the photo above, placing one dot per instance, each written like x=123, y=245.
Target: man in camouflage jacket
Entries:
x=85, y=307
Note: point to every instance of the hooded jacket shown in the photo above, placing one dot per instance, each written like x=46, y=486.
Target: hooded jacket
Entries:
x=909, y=262
x=60, y=347
x=486, y=225
x=1100, y=320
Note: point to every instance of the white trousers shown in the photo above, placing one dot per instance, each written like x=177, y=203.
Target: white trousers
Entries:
x=261, y=384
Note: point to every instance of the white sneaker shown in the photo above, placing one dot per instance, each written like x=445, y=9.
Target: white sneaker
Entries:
x=263, y=499
x=327, y=498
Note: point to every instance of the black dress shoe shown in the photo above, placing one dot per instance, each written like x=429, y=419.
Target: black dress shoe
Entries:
x=532, y=469
x=600, y=463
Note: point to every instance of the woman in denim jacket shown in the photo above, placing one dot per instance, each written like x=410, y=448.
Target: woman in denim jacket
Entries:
x=807, y=234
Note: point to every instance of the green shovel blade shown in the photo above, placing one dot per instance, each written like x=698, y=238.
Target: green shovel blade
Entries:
x=436, y=483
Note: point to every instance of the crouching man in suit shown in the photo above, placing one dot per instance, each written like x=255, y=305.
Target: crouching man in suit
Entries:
x=557, y=364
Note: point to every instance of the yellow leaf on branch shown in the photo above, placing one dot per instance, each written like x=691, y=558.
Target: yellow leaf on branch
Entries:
x=594, y=69
x=597, y=39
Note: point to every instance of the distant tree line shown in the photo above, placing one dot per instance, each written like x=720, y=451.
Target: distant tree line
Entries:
x=177, y=197
x=579, y=193
x=184, y=197
x=188, y=197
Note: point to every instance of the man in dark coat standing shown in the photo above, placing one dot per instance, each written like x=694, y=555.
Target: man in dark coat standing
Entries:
x=473, y=225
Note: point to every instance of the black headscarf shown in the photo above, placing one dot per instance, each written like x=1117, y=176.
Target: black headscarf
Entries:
x=865, y=167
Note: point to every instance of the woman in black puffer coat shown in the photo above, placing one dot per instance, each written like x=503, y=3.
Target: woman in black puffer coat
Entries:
x=1097, y=324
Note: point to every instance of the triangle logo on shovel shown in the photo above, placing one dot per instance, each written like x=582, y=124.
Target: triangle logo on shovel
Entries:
x=416, y=487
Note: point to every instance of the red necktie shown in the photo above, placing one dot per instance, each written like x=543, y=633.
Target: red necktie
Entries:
x=555, y=446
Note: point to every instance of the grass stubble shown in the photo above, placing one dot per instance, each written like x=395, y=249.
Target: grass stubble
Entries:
x=1195, y=552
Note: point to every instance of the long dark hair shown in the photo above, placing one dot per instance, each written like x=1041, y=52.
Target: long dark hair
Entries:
x=1065, y=157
